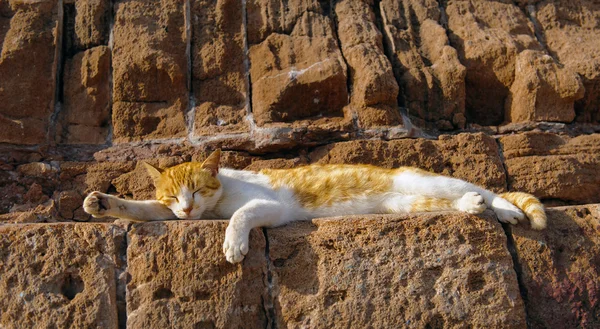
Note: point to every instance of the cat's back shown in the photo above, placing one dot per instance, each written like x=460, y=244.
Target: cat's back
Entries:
x=316, y=185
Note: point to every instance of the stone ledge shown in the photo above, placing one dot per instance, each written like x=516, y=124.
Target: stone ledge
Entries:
x=60, y=275
x=436, y=269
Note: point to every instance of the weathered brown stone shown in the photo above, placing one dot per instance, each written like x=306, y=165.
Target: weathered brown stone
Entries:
x=142, y=120
x=219, y=72
x=86, y=24
x=300, y=75
x=542, y=90
x=425, y=65
x=61, y=275
x=554, y=167
x=70, y=205
x=570, y=32
x=473, y=157
x=559, y=268
x=149, y=70
x=266, y=17
x=488, y=36
x=85, y=114
x=28, y=213
x=211, y=119
x=100, y=175
x=374, y=88
x=28, y=63
x=179, y=278
x=429, y=270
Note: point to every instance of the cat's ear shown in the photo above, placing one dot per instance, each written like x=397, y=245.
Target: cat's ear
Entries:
x=154, y=172
x=212, y=162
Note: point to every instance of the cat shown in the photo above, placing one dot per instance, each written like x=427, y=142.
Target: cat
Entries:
x=273, y=197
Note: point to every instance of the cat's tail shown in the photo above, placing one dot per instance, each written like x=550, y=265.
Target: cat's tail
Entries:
x=530, y=205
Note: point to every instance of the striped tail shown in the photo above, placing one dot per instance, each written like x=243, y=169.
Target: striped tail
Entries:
x=530, y=205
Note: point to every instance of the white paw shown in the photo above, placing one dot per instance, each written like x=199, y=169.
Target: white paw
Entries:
x=236, y=245
x=506, y=211
x=97, y=204
x=472, y=203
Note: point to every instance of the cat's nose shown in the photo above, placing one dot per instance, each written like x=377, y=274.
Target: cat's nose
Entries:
x=187, y=210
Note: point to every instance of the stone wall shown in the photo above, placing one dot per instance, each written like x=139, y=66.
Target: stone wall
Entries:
x=504, y=94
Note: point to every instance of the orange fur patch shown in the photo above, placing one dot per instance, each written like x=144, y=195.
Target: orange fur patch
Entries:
x=324, y=185
x=430, y=204
x=531, y=206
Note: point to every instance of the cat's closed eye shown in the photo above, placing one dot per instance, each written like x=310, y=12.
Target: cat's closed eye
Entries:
x=173, y=197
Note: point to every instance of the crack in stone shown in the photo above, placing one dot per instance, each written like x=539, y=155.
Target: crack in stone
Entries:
x=530, y=12
x=268, y=307
x=510, y=245
x=57, y=72
x=111, y=26
x=503, y=161
x=190, y=116
x=246, y=59
x=349, y=85
x=121, y=276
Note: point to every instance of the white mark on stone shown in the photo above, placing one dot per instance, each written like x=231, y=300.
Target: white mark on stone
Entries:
x=293, y=74
x=221, y=122
x=316, y=101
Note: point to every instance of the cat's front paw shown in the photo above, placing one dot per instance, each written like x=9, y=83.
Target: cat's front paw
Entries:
x=506, y=211
x=472, y=203
x=97, y=204
x=235, y=246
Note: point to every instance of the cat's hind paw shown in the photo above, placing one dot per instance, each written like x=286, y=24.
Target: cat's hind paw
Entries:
x=506, y=211
x=235, y=246
x=97, y=204
x=472, y=203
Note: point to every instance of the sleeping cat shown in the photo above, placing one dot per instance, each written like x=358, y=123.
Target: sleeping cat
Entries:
x=273, y=197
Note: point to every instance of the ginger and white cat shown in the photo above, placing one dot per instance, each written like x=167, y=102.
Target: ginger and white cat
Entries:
x=273, y=197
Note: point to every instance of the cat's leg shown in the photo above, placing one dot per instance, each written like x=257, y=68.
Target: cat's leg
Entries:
x=256, y=213
x=101, y=205
x=470, y=202
x=432, y=185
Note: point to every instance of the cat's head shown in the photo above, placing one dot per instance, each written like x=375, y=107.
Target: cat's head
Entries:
x=188, y=189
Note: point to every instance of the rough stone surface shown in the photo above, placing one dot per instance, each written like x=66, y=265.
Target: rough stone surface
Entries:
x=219, y=72
x=149, y=70
x=558, y=168
x=473, y=157
x=59, y=276
x=179, y=278
x=570, y=31
x=28, y=64
x=85, y=114
x=542, y=90
x=374, y=89
x=86, y=24
x=300, y=75
x=430, y=270
x=134, y=121
x=559, y=268
x=426, y=66
x=488, y=36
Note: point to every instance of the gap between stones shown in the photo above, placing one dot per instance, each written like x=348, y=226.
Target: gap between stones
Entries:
x=121, y=277
x=268, y=307
x=510, y=245
x=247, y=61
x=510, y=242
x=349, y=85
x=58, y=72
x=190, y=116
x=111, y=26
x=530, y=12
